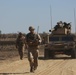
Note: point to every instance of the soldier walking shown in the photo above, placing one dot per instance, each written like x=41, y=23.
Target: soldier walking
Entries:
x=33, y=41
x=20, y=44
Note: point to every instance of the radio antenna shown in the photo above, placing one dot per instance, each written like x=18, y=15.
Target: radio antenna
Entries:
x=75, y=20
x=51, y=16
x=37, y=29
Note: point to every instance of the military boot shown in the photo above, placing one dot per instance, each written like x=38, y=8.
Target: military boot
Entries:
x=21, y=57
x=35, y=67
x=32, y=69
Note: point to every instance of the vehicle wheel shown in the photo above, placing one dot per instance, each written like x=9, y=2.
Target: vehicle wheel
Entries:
x=73, y=53
x=52, y=54
x=46, y=54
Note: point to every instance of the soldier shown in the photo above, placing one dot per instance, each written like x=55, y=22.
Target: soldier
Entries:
x=67, y=25
x=20, y=44
x=59, y=25
x=33, y=40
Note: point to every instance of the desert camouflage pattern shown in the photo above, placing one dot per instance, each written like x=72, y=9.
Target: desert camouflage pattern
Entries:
x=33, y=41
x=20, y=45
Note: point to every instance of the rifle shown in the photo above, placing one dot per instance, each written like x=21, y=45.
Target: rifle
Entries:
x=36, y=36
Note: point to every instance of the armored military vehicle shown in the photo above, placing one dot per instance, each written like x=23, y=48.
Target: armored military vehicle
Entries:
x=61, y=41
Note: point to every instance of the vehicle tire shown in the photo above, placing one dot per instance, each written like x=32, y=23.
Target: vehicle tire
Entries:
x=46, y=54
x=73, y=54
x=52, y=54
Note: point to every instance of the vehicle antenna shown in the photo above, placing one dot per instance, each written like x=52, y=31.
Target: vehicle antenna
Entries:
x=75, y=20
x=51, y=16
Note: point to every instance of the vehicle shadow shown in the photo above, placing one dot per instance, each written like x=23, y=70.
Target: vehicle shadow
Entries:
x=14, y=73
x=41, y=58
x=55, y=58
x=2, y=59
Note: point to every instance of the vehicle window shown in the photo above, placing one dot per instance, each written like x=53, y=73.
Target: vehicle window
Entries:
x=53, y=38
x=67, y=39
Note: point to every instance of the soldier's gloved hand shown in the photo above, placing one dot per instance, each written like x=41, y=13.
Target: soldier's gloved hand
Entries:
x=30, y=42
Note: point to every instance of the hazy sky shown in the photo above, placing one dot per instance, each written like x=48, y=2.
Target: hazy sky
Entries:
x=18, y=15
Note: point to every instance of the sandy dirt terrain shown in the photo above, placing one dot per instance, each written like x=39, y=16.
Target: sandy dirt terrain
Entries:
x=61, y=65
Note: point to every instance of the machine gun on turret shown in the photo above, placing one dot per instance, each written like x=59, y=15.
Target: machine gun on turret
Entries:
x=61, y=28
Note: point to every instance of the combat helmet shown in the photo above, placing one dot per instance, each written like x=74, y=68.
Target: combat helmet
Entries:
x=31, y=28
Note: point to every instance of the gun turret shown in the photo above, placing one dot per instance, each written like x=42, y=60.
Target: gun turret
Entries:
x=61, y=28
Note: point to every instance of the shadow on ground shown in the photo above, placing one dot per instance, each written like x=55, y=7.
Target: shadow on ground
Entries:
x=13, y=73
x=2, y=59
x=55, y=58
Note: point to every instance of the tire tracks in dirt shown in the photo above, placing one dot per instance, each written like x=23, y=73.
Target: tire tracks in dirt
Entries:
x=46, y=67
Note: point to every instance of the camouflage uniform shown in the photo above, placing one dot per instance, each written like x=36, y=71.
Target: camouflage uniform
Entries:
x=33, y=41
x=20, y=45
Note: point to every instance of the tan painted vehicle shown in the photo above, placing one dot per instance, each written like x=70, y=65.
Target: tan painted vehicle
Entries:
x=61, y=41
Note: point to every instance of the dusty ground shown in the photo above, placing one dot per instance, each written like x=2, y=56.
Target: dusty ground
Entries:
x=10, y=64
